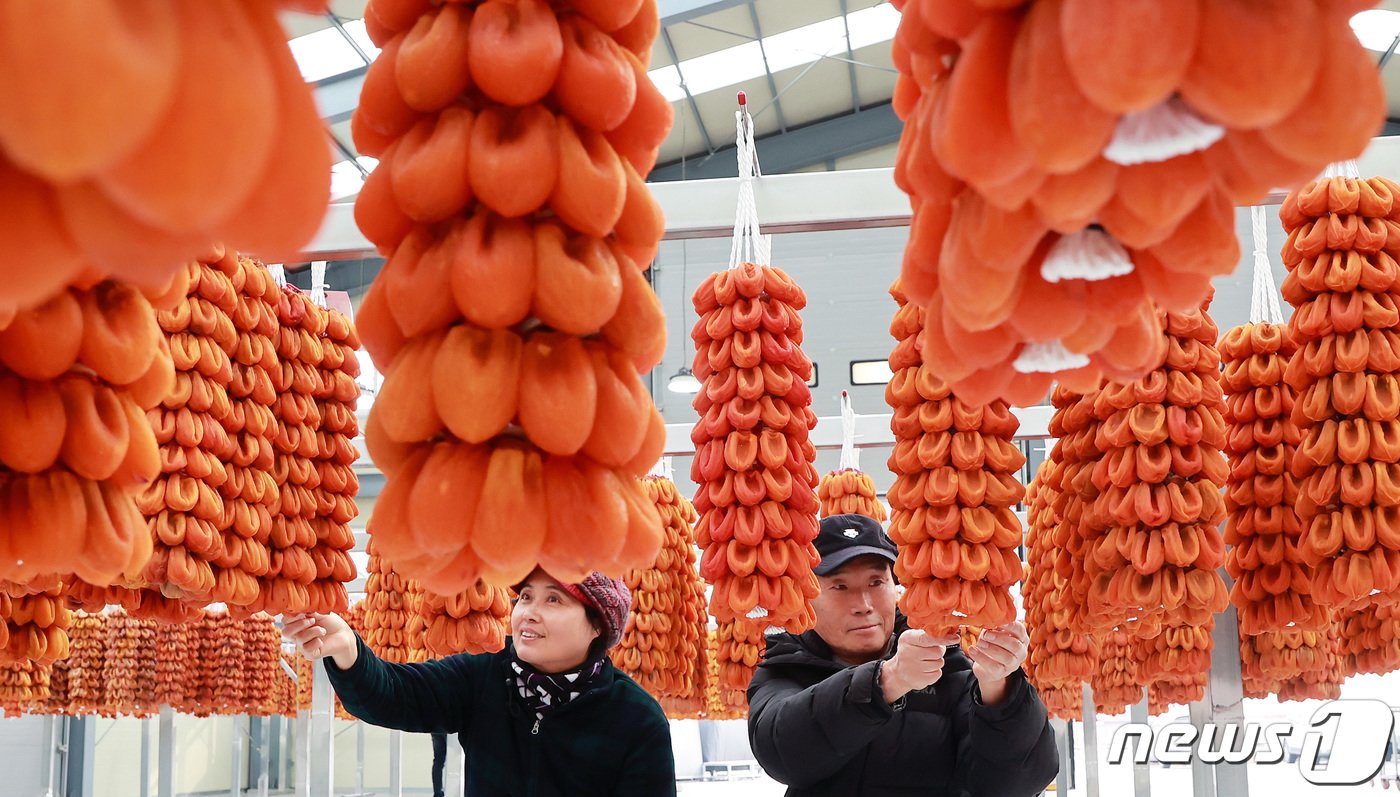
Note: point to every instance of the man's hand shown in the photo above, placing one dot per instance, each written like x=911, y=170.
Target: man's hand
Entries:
x=917, y=663
x=322, y=635
x=996, y=655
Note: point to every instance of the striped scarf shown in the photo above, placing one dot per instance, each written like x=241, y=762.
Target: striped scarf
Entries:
x=544, y=692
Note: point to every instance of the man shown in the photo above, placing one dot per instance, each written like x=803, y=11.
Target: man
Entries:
x=861, y=706
x=439, y=762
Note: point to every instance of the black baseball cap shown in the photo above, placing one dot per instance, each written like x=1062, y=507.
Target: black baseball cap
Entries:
x=845, y=537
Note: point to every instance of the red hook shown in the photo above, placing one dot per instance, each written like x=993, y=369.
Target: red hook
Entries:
x=743, y=99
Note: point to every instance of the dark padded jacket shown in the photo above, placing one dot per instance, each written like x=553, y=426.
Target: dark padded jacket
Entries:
x=611, y=741
x=824, y=728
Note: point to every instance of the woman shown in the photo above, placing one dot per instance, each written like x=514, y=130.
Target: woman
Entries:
x=549, y=715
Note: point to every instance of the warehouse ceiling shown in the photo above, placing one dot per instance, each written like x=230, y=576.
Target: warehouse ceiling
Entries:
x=794, y=60
x=817, y=73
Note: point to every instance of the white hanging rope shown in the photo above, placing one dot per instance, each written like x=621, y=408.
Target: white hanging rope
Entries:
x=1264, y=305
x=850, y=455
x=318, y=283
x=279, y=274
x=1347, y=169
x=663, y=469
x=748, y=246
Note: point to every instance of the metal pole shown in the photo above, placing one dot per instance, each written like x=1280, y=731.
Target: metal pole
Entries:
x=1064, y=779
x=280, y=749
x=1142, y=776
x=165, y=784
x=301, y=755
x=322, y=742
x=235, y=784
x=1390, y=51
x=1091, y=744
x=257, y=734
x=265, y=755
x=395, y=763
x=452, y=780
x=345, y=34
x=360, y=758
x=48, y=757
x=82, y=749
x=145, y=757
x=1202, y=774
x=1225, y=691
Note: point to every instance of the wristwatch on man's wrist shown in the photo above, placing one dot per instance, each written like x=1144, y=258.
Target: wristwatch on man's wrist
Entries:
x=879, y=686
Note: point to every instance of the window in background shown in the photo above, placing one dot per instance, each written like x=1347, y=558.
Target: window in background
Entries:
x=870, y=372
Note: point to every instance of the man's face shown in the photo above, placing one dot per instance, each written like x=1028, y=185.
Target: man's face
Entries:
x=855, y=610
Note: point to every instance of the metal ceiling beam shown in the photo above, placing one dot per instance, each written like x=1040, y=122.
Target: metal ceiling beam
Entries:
x=768, y=70
x=689, y=98
x=799, y=147
x=337, y=97
x=852, y=199
x=841, y=200
x=350, y=40
x=851, y=58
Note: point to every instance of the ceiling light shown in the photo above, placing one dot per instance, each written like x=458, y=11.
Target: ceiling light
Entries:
x=806, y=44
x=356, y=29
x=870, y=372
x=683, y=381
x=346, y=180
x=326, y=53
x=668, y=80
x=1376, y=28
x=727, y=67
x=788, y=50
x=874, y=25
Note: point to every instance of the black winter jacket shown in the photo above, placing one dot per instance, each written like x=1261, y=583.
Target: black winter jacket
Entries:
x=824, y=728
x=611, y=741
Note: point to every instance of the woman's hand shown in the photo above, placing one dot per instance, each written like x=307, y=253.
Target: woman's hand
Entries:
x=997, y=654
x=322, y=635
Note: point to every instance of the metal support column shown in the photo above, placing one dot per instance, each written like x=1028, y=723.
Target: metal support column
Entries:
x=265, y=745
x=257, y=735
x=235, y=777
x=395, y=763
x=145, y=757
x=1202, y=774
x=1064, y=744
x=1225, y=691
x=1091, y=744
x=301, y=755
x=82, y=752
x=360, y=759
x=1142, y=775
x=165, y=783
x=277, y=752
x=48, y=756
x=453, y=782
x=322, y=743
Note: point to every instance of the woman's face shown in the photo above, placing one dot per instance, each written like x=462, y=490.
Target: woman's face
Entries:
x=549, y=626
